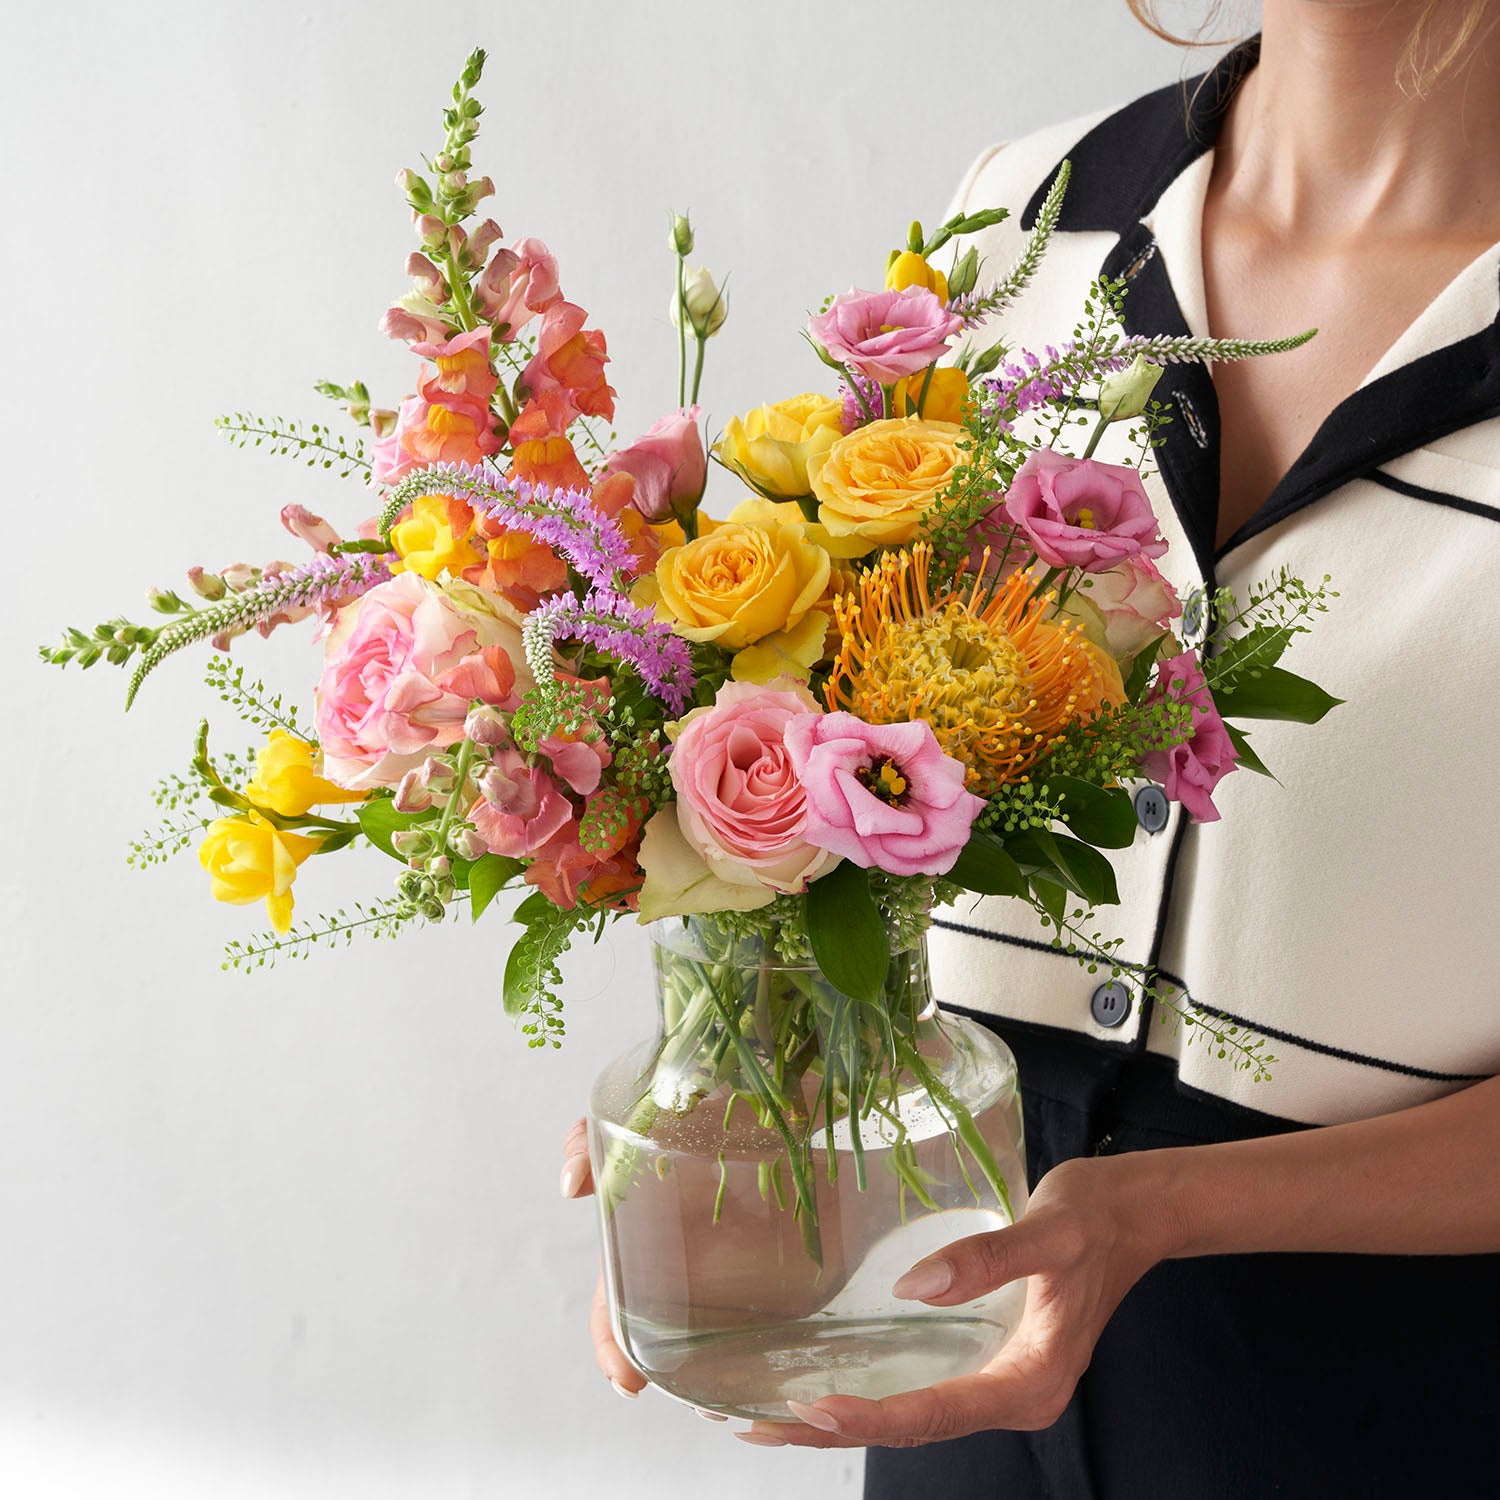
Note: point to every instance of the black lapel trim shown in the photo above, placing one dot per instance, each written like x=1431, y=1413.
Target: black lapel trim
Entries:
x=1438, y=393
x=1434, y=497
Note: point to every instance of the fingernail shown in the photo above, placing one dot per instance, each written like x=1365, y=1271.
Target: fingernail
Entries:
x=761, y=1439
x=710, y=1416
x=813, y=1417
x=929, y=1278
x=625, y=1390
x=572, y=1177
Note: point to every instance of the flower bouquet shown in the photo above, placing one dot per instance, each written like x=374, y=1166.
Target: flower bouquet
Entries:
x=923, y=658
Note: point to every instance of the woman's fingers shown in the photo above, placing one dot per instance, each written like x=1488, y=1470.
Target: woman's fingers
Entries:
x=613, y=1365
x=577, y=1175
x=971, y=1267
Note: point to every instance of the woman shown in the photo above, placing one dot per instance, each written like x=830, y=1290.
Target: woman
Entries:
x=1344, y=915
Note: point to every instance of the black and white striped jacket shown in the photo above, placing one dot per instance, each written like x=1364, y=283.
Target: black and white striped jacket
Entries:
x=1348, y=913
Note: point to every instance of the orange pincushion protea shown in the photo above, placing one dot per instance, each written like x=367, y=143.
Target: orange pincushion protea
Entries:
x=996, y=679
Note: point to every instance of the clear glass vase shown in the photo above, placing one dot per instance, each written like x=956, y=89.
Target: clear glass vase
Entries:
x=776, y=1156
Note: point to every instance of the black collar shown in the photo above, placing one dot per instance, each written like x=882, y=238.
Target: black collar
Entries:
x=1121, y=168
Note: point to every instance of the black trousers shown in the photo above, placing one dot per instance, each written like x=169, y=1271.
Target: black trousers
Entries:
x=1236, y=1377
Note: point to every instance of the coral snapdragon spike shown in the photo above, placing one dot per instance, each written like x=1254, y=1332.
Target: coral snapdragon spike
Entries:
x=611, y=623
x=567, y=521
x=325, y=583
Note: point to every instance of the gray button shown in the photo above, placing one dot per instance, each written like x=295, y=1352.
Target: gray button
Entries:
x=1151, y=809
x=1194, y=616
x=1110, y=1004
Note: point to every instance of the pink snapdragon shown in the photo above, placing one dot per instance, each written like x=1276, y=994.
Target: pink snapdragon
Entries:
x=519, y=808
x=668, y=465
x=517, y=285
x=1191, y=770
x=1080, y=513
x=886, y=336
x=884, y=796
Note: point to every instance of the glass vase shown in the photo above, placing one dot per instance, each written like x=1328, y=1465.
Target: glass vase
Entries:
x=776, y=1156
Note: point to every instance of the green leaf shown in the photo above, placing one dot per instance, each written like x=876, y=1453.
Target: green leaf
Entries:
x=1248, y=758
x=1053, y=897
x=1140, y=668
x=1274, y=694
x=379, y=819
x=984, y=866
x=535, y=908
x=1251, y=652
x=488, y=878
x=1100, y=817
x=531, y=968
x=849, y=937
x=1067, y=862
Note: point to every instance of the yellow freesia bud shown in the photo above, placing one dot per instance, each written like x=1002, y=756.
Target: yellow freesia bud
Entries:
x=434, y=538
x=946, y=393
x=286, y=779
x=770, y=447
x=911, y=269
x=248, y=858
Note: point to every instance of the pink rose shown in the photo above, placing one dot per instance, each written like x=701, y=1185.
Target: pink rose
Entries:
x=668, y=465
x=1080, y=513
x=519, y=808
x=739, y=802
x=400, y=669
x=886, y=336
x=1190, y=771
x=884, y=796
x=1130, y=604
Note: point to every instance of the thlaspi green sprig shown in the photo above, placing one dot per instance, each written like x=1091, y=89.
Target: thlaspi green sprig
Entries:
x=381, y=919
x=316, y=446
x=252, y=700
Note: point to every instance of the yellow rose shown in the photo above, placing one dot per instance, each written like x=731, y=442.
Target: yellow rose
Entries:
x=248, y=858
x=753, y=578
x=434, y=538
x=945, y=394
x=286, y=779
x=911, y=269
x=874, y=486
x=770, y=448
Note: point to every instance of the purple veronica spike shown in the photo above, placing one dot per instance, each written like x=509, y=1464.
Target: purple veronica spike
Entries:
x=854, y=414
x=567, y=521
x=611, y=623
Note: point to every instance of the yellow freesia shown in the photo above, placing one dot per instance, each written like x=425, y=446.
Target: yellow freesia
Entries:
x=248, y=858
x=770, y=448
x=911, y=269
x=434, y=538
x=286, y=779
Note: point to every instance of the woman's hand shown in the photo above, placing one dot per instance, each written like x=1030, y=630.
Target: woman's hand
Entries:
x=578, y=1181
x=1091, y=1231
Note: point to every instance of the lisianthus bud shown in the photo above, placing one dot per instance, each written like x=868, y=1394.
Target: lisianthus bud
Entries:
x=1125, y=394
x=206, y=585
x=706, y=307
x=681, y=241
x=485, y=725
x=411, y=796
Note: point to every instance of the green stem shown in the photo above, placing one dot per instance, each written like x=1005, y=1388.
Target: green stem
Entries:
x=460, y=779
x=698, y=366
x=681, y=331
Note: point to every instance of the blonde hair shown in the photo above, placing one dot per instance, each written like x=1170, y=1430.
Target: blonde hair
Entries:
x=1432, y=49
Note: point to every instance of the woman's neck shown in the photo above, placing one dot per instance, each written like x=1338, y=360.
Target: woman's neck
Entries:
x=1323, y=141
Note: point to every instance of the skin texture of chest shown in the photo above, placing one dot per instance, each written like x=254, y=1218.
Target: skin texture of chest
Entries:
x=1359, y=292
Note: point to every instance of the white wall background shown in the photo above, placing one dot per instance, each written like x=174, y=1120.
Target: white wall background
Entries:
x=299, y=1234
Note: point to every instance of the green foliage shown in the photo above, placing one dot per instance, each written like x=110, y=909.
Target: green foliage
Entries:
x=316, y=446
x=380, y=822
x=1066, y=862
x=532, y=975
x=1249, y=760
x=1099, y=816
x=489, y=876
x=984, y=866
x=848, y=934
x=1271, y=693
x=378, y=920
x=157, y=845
x=114, y=641
x=252, y=700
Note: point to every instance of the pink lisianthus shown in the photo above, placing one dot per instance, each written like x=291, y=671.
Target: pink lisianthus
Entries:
x=1190, y=771
x=566, y=375
x=886, y=336
x=668, y=465
x=1080, y=513
x=400, y=669
x=740, y=804
x=519, y=808
x=517, y=285
x=1126, y=606
x=884, y=796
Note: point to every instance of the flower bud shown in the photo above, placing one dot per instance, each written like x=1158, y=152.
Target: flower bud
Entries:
x=164, y=601
x=965, y=273
x=431, y=229
x=466, y=843
x=435, y=776
x=418, y=194
x=455, y=182
x=1125, y=394
x=307, y=527
x=439, y=867
x=681, y=242
x=383, y=421
x=240, y=576
x=426, y=277
x=411, y=843
x=488, y=234
x=498, y=789
x=443, y=163
x=704, y=298
x=206, y=585
x=411, y=796
x=486, y=725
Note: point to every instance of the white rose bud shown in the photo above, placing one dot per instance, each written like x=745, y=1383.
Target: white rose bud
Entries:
x=1125, y=395
x=706, y=307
